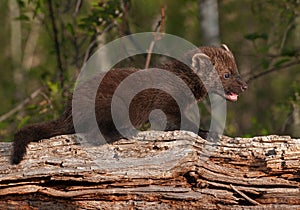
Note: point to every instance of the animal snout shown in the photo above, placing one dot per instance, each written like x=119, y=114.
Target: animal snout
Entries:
x=243, y=84
x=244, y=87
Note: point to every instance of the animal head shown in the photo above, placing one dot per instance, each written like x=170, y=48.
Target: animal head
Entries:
x=222, y=60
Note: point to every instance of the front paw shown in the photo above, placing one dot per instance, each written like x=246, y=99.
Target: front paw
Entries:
x=203, y=133
x=209, y=135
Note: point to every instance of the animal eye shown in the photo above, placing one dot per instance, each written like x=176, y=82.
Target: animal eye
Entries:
x=226, y=75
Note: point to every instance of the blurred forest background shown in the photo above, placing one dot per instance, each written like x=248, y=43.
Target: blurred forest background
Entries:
x=44, y=44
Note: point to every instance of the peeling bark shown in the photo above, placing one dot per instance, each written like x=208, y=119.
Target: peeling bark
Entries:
x=155, y=170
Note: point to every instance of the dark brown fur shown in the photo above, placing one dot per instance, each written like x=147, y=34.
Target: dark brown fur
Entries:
x=141, y=105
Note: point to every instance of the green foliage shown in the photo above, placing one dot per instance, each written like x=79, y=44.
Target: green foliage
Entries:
x=254, y=36
x=30, y=6
x=275, y=27
x=77, y=30
x=23, y=18
x=23, y=121
x=274, y=42
x=53, y=87
x=102, y=15
x=258, y=127
x=265, y=62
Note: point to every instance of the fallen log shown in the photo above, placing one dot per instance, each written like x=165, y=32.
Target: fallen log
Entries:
x=154, y=170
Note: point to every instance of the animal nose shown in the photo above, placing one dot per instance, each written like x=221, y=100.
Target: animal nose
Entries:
x=243, y=84
x=244, y=87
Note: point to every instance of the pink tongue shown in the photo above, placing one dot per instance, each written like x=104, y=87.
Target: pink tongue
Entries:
x=232, y=96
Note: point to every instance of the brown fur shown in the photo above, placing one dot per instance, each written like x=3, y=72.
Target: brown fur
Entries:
x=141, y=105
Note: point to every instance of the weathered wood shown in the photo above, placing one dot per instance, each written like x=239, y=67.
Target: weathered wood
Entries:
x=156, y=170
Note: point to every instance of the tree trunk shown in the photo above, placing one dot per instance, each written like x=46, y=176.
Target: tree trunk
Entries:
x=16, y=48
x=209, y=22
x=155, y=170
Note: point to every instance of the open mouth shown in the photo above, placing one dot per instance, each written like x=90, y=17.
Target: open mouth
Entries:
x=231, y=96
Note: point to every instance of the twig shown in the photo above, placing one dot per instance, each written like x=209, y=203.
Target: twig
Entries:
x=78, y=5
x=56, y=43
x=276, y=68
x=244, y=195
x=149, y=54
x=163, y=19
x=289, y=27
x=47, y=99
x=158, y=30
x=21, y=105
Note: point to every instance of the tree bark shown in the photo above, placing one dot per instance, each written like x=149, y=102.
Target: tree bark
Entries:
x=155, y=170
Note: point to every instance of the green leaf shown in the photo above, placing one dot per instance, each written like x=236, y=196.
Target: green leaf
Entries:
x=54, y=87
x=23, y=18
x=32, y=107
x=289, y=52
x=264, y=132
x=21, y=3
x=265, y=63
x=23, y=121
x=37, y=8
x=70, y=28
x=282, y=61
x=254, y=36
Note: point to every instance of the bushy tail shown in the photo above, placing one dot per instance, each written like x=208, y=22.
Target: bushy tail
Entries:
x=36, y=132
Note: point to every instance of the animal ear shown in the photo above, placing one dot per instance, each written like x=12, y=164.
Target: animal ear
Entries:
x=200, y=60
x=225, y=47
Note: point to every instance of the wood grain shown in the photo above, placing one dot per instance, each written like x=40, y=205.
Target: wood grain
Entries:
x=154, y=170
